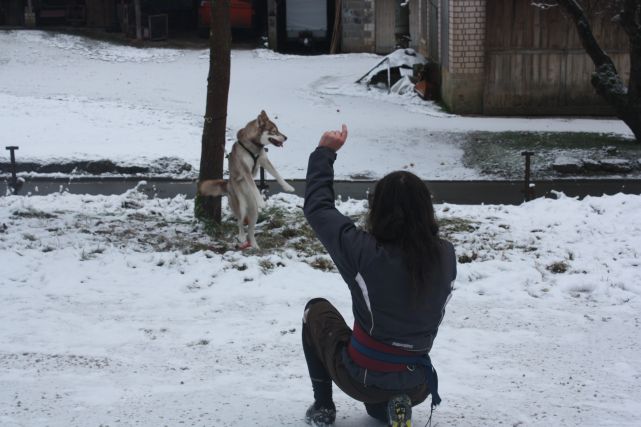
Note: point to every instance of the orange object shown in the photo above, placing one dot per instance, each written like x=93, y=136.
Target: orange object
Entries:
x=241, y=14
x=425, y=90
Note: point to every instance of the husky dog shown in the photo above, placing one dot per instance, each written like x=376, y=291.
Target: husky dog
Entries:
x=247, y=155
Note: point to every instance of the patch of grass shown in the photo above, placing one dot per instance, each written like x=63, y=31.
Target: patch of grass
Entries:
x=226, y=227
x=198, y=247
x=240, y=267
x=282, y=229
x=466, y=259
x=86, y=255
x=289, y=233
x=270, y=241
x=266, y=266
x=30, y=237
x=33, y=213
x=558, y=267
x=307, y=247
x=450, y=226
x=499, y=153
x=130, y=204
x=137, y=216
x=273, y=218
x=322, y=263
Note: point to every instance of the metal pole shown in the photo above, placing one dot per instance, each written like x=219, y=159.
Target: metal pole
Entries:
x=372, y=69
x=262, y=178
x=527, y=190
x=262, y=186
x=14, y=176
x=389, y=78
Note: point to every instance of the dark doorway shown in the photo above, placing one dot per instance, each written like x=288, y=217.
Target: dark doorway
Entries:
x=305, y=27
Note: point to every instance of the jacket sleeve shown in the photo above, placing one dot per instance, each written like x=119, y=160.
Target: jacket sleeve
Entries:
x=344, y=242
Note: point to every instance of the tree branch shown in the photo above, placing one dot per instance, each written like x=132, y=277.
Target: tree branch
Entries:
x=590, y=44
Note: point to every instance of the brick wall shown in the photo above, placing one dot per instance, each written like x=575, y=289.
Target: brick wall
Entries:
x=463, y=55
x=358, y=26
x=466, y=36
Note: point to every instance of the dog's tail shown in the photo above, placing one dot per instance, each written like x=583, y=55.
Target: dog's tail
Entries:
x=212, y=187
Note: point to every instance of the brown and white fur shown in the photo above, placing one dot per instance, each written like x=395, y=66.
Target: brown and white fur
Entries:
x=244, y=198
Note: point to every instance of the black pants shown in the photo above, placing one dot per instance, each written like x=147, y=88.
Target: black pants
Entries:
x=325, y=335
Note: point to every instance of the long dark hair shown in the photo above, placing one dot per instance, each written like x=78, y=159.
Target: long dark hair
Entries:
x=401, y=213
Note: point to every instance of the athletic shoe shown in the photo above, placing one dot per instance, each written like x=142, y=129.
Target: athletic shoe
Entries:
x=399, y=411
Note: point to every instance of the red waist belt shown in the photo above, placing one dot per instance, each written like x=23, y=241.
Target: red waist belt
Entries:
x=362, y=360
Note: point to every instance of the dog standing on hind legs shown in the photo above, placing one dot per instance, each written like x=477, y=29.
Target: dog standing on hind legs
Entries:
x=246, y=157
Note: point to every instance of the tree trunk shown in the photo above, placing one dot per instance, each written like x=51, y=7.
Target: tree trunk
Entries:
x=214, y=129
x=334, y=46
x=626, y=101
x=633, y=121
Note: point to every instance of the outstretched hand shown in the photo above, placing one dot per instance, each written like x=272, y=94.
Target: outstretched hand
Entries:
x=334, y=139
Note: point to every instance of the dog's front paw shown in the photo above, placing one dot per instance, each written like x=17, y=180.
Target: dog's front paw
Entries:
x=288, y=188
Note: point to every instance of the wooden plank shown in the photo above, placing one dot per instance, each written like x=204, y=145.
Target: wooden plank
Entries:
x=415, y=24
x=385, y=25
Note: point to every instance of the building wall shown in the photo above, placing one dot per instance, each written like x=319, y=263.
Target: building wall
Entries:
x=358, y=20
x=467, y=36
x=463, y=69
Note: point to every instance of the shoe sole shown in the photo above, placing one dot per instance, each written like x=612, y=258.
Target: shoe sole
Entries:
x=399, y=419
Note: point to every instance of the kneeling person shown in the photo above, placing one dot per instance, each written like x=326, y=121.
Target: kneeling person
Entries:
x=400, y=276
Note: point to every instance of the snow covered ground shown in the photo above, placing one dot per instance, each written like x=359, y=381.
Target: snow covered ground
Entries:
x=69, y=97
x=120, y=310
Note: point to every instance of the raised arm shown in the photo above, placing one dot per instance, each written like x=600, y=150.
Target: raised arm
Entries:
x=344, y=242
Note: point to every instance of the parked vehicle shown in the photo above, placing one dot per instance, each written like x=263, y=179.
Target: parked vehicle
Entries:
x=241, y=15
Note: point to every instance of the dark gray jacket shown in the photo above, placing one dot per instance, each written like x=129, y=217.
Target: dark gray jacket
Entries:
x=382, y=300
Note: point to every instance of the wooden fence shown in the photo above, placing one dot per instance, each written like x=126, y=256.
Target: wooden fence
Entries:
x=535, y=63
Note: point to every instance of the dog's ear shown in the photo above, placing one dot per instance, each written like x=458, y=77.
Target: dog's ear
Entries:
x=262, y=118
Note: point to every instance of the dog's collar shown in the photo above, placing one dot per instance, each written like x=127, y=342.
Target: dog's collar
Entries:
x=257, y=144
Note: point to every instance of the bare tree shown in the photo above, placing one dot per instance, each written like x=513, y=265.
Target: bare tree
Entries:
x=213, y=142
x=626, y=101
